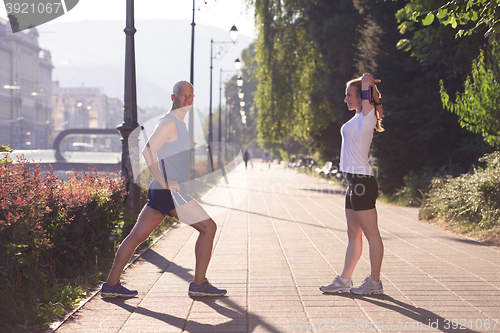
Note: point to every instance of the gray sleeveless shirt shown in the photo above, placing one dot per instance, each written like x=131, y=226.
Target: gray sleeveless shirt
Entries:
x=174, y=157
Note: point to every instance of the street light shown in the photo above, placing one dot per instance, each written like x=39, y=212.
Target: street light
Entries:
x=11, y=87
x=241, y=95
x=237, y=64
x=233, y=35
x=16, y=113
x=243, y=115
x=191, y=79
x=239, y=81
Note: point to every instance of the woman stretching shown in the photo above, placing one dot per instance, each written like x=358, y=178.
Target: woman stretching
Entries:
x=362, y=96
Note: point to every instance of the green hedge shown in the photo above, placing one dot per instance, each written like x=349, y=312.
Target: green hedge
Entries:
x=472, y=198
x=51, y=232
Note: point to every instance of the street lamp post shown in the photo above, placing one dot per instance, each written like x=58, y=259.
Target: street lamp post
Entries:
x=237, y=66
x=132, y=201
x=233, y=34
x=191, y=76
x=15, y=114
x=191, y=79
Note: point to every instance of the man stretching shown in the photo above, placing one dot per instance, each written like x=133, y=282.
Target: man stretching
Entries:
x=167, y=154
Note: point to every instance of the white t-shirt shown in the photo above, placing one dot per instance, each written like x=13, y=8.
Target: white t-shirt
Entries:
x=357, y=135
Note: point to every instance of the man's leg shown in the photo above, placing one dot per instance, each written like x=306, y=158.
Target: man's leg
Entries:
x=147, y=221
x=203, y=248
x=194, y=215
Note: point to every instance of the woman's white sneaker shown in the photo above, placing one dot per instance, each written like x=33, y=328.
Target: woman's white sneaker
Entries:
x=338, y=285
x=368, y=287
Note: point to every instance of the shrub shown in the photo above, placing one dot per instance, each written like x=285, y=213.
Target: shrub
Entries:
x=472, y=198
x=412, y=194
x=4, y=148
x=51, y=231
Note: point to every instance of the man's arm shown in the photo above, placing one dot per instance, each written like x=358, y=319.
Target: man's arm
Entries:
x=163, y=133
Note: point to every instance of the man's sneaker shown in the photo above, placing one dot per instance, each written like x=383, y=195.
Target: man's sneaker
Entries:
x=368, y=287
x=205, y=289
x=337, y=286
x=117, y=291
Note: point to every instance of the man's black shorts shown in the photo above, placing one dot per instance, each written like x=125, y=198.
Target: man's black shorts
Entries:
x=362, y=192
x=165, y=200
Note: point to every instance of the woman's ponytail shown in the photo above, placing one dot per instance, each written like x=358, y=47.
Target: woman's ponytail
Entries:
x=378, y=126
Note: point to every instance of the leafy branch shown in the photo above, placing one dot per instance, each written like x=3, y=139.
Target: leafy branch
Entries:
x=478, y=106
x=483, y=14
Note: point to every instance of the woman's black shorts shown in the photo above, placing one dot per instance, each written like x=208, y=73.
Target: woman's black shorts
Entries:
x=362, y=192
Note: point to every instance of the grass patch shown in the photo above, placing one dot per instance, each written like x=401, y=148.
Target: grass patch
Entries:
x=32, y=310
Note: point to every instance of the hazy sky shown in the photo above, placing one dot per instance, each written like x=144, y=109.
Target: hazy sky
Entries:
x=219, y=13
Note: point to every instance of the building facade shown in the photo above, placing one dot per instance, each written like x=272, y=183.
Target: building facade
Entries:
x=25, y=90
x=86, y=107
x=81, y=107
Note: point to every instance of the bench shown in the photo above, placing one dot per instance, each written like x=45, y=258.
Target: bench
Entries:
x=325, y=169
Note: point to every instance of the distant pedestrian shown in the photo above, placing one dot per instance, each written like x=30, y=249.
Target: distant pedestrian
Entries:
x=167, y=153
x=267, y=158
x=246, y=157
x=300, y=162
x=362, y=191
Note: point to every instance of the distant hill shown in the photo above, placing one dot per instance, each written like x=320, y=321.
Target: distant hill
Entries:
x=92, y=53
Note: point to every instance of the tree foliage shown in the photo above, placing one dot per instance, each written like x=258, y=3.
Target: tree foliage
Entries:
x=244, y=132
x=305, y=53
x=436, y=44
x=288, y=72
x=479, y=105
x=333, y=26
x=469, y=17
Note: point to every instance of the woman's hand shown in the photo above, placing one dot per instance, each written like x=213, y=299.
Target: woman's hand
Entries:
x=369, y=79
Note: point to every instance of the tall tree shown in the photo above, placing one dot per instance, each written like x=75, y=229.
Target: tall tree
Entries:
x=333, y=26
x=305, y=54
x=287, y=73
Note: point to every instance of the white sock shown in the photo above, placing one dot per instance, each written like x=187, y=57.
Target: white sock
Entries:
x=343, y=280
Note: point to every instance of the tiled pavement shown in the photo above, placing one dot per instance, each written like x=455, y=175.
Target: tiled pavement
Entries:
x=284, y=238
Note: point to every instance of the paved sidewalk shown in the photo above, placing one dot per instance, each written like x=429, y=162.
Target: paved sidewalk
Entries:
x=285, y=238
